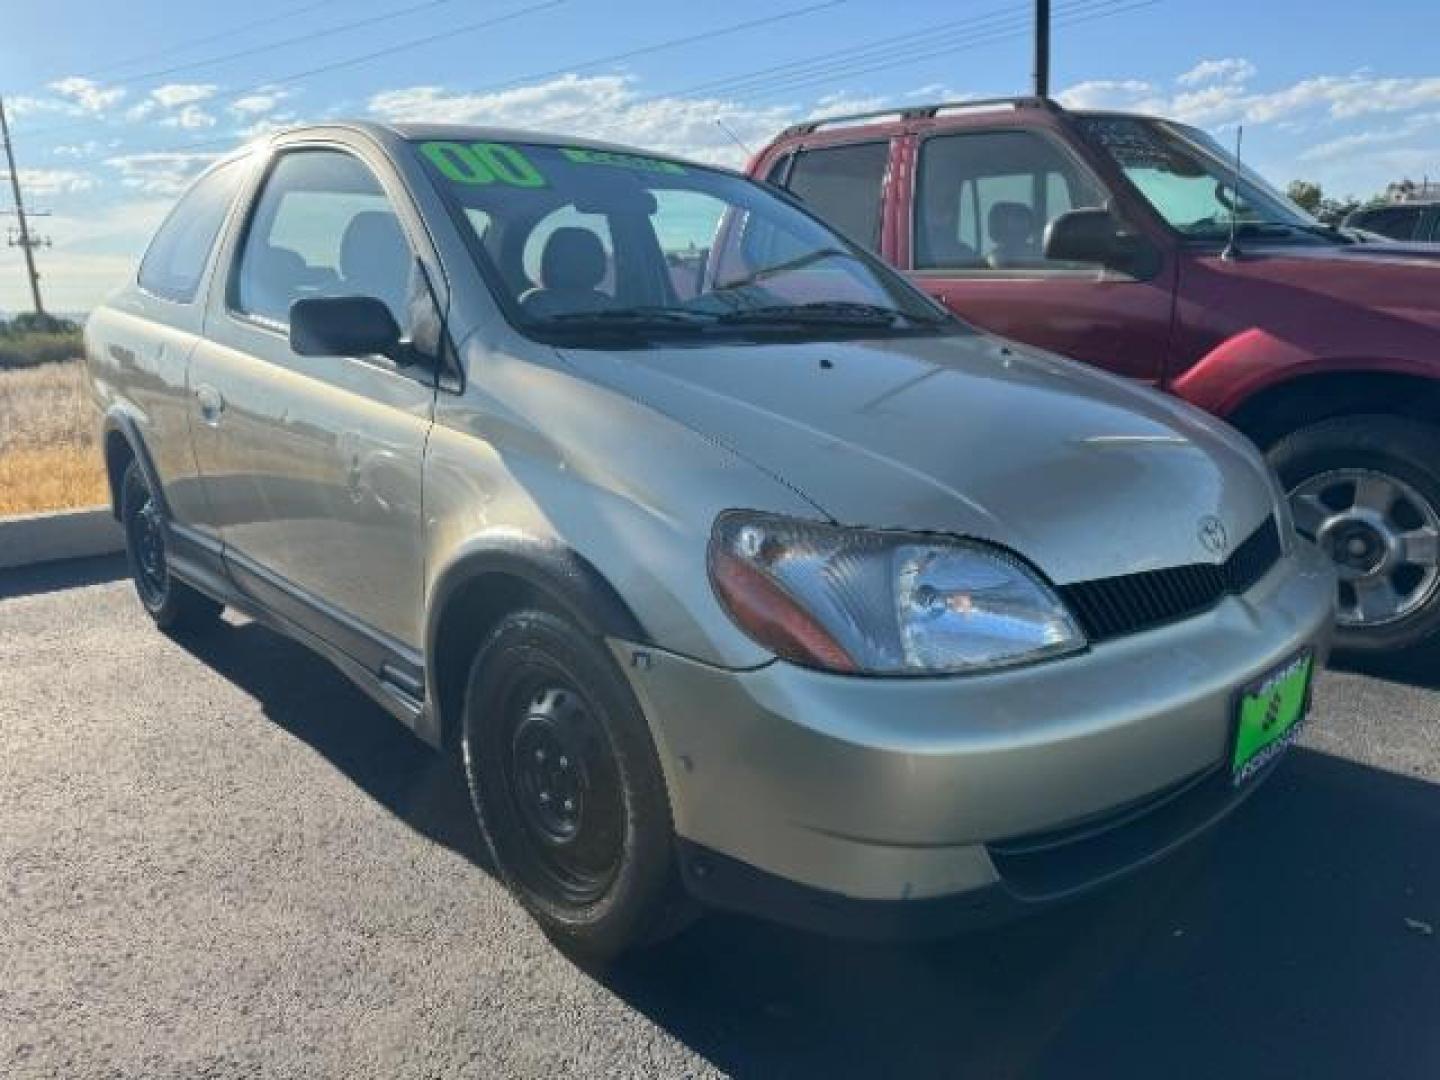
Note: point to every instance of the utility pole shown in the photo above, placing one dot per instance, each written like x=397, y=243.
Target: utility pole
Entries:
x=25, y=242
x=1042, y=48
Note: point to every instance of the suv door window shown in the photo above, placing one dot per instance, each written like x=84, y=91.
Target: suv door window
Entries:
x=323, y=227
x=984, y=199
x=843, y=185
x=175, y=261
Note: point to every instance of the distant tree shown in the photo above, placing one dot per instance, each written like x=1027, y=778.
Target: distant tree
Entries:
x=1306, y=195
x=1334, y=211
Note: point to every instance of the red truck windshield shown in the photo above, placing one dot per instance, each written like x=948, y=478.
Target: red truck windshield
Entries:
x=1190, y=180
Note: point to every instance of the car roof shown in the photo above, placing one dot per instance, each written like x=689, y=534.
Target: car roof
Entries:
x=425, y=132
x=940, y=115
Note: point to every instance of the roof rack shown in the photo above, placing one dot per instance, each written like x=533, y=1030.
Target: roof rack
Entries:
x=920, y=112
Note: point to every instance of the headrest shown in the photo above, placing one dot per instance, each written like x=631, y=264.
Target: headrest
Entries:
x=574, y=258
x=1012, y=224
x=374, y=248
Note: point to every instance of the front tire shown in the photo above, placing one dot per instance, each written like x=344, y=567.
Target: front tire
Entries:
x=1367, y=490
x=173, y=605
x=567, y=788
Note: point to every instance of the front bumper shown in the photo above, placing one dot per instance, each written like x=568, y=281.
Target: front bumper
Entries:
x=929, y=796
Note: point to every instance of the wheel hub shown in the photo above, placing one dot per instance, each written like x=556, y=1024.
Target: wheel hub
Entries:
x=1360, y=542
x=550, y=778
x=1383, y=536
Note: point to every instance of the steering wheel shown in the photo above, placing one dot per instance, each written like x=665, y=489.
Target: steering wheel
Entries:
x=1222, y=196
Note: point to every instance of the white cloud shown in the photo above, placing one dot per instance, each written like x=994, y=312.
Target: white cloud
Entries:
x=159, y=172
x=44, y=183
x=76, y=150
x=603, y=107
x=172, y=95
x=1113, y=94
x=1230, y=70
x=189, y=118
x=86, y=94
x=1221, y=92
x=254, y=104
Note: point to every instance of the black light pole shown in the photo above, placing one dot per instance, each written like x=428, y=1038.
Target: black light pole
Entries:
x=1042, y=48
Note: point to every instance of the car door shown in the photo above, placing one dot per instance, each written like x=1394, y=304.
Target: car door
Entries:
x=980, y=201
x=313, y=464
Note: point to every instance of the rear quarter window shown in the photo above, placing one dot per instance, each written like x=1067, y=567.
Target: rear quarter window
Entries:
x=175, y=261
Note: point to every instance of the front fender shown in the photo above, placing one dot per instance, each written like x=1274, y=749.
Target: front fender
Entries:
x=1254, y=360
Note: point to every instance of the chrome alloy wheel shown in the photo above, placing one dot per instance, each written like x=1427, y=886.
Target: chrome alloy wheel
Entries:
x=1383, y=536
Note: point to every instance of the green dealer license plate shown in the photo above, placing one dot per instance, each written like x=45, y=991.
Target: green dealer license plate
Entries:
x=1269, y=716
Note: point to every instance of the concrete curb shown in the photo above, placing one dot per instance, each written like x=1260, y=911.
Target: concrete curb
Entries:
x=64, y=534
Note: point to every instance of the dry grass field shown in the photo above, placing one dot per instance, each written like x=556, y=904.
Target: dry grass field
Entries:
x=48, y=456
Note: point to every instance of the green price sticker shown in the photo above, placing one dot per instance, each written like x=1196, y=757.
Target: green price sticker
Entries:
x=620, y=161
x=483, y=163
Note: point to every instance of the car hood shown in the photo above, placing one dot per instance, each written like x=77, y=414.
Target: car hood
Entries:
x=1083, y=473
x=1394, y=280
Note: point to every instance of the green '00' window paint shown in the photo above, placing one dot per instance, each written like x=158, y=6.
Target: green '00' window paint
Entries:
x=483, y=163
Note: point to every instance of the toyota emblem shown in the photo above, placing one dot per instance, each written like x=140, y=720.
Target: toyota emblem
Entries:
x=1213, y=536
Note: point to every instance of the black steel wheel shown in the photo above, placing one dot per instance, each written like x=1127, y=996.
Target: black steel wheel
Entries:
x=567, y=787
x=171, y=603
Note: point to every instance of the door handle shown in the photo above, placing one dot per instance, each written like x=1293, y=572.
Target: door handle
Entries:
x=212, y=404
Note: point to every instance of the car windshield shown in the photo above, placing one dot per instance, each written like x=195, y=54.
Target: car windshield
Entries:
x=1190, y=180
x=588, y=246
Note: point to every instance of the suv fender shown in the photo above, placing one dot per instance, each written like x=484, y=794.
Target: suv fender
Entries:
x=1254, y=361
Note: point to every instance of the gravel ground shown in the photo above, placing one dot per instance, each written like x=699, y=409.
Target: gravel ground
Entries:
x=218, y=859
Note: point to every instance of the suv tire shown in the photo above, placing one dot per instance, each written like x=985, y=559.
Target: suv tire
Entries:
x=1383, y=534
x=173, y=605
x=568, y=789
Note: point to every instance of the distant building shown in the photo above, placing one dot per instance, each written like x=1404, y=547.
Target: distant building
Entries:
x=1408, y=190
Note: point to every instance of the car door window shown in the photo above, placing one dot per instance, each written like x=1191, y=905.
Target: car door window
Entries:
x=175, y=261
x=983, y=201
x=323, y=227
x=843, y=185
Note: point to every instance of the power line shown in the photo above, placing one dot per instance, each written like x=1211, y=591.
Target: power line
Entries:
x=822, y=68
x=1078, y=12
x=629, y=54
x=363, y=58
x=298, y=39
x=183, y=46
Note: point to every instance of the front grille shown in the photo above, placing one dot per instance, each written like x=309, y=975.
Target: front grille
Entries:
x=1111, y=607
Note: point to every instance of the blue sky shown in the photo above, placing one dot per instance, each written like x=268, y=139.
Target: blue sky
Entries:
x=113, y=107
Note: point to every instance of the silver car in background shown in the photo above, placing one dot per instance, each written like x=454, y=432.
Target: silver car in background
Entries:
x=737, y=571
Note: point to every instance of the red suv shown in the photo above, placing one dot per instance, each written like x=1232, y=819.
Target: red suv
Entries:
x=1109, y=238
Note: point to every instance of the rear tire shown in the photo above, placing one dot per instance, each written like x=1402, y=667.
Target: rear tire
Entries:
x=173, y=605
x=1367, y=489
x=568, y=790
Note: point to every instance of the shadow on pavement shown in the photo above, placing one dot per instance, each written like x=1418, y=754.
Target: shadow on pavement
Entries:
x=1416, y=667
x=67, y=574
x=314, y=702
x=1277, y=947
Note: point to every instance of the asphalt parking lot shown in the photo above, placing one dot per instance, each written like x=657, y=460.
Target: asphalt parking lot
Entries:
x=218, y=859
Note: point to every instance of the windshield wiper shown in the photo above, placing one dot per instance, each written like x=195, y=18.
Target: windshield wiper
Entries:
x=786, y=267
x=823, y=312
x=632, y=316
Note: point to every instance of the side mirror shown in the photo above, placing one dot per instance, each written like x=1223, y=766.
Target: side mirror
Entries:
x=344, y=326
x=1097, y=236
x=1092, y=235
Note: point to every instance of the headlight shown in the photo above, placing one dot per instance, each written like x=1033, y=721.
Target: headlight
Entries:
x=854, y=600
